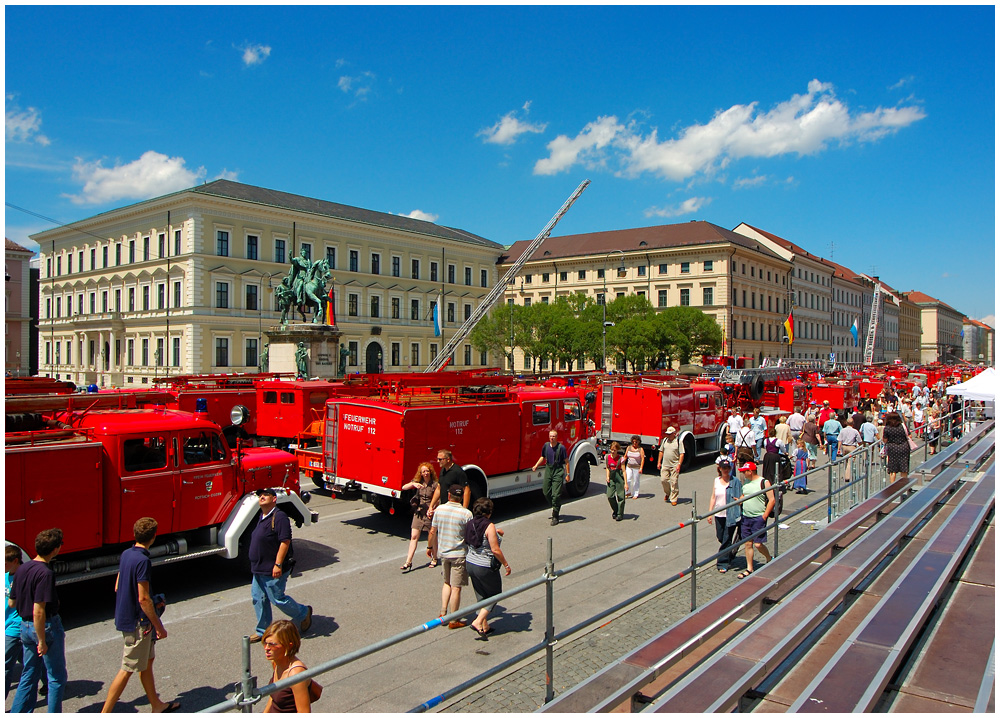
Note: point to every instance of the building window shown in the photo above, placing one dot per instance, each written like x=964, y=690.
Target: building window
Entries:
x=158, y=354
x=434, y=273
x=581, y=274
x=434, y=352
x=527, y=279
x=222, y=244
x=352, y=350
x=307, y=250
x=177, y=294
x=118, y=254
x=79, y=307
x=177, y=242
x=685, y=297
x=414, y=269
x=58, y=307
x=414, y=354
x=69, y=270
x=562, y=277
x=331, y=257
x=279, y=251
x=353, y=259
x=395, y=266
x=527, y=301
x=545, y=276
x=93, y=259
x=707, y=296
x=415, y=310
x=394, y=352
x=352, y=305
x=177, y=351
x=104, y=302
x=131, y=299
x=161, y=296
x=451, y=312
x=394, y=307
x=131, y=251
x=129, y=352
x=374, y=303
x=145, y=249
x=104, y=254
x=661, y=298
x=467, y=310
x=641, y=270
x=685, y=267
x=251, y=353
x=468, y=355
x=161, y=245
x=145, y=299
x=451, y=274
x=251, y=298
x=376, y=264
x=545, y=300
x=708, y=265
x=145, y=352
x=468, y=276
x=221, y=296
x=252, y=242
x=221, y=352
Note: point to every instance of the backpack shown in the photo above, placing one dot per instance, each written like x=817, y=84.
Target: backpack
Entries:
x=785, y=468
x=779, y=497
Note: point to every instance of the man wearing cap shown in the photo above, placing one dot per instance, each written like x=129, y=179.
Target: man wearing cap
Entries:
x=446, y=542
x=756, y=511
x=669, y=463
x=270, y=546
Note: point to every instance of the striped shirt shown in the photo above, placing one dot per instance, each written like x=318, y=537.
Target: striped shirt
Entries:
x=449, y=521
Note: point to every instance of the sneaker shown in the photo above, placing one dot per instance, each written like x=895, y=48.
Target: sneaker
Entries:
x=255, y=638
x=666, y=498
x=554, y=521
x=673, y=503
x=43, y=690
x=308, y=620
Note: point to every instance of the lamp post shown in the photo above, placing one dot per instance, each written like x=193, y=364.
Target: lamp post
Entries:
x=510, y=308
x=604, y=307
x=260, y=307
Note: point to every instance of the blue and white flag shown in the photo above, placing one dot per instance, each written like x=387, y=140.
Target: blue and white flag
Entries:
x=854, y=331
x=437, y=317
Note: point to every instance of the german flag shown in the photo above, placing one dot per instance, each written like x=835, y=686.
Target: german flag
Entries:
x=789, y=328
x=331, y=313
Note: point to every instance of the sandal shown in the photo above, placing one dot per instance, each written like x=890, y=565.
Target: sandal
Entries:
x=433, y=563
x=743, y=574
x=406, y=567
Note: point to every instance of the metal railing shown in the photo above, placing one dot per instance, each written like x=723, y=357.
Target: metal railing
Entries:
x=849, y=481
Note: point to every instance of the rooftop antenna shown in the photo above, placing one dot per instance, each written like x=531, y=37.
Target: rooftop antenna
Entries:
x=832, y=247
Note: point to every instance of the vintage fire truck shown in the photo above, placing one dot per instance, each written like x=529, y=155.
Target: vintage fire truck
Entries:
x=92, y=464
x=374, y=444
x=843, y=394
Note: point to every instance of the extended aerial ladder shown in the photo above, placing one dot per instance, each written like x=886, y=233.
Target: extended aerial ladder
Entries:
x=872, y=326
x=500, y=287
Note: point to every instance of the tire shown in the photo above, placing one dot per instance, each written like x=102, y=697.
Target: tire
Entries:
x=581, y=479
x=382, y=503
x=477, y=488
x=757, y=388
x=688, y=452
x=242, y=560
x=317, y=478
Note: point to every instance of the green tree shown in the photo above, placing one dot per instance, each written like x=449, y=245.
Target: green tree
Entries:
x=632, y=338
x=493, y=333
x=683, y=332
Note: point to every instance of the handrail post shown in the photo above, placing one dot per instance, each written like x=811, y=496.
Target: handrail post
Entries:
x=249, y=683
x=829, y=493
x=775, y=517
x=550, y=629
x=694, y=550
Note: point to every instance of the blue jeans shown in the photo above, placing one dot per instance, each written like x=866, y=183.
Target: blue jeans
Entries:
x=265, y=590
x=12, y=653
x=53, y=663
x=831, y=446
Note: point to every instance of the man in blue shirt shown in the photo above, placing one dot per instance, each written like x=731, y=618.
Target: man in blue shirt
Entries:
x=136, y=618
x=12, y=624
x=270, y=545
x=43, y=638
x=831, y=434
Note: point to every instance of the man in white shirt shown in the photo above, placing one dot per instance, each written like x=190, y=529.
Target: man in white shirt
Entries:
x=795, y=422
x=735, y=421
x=759, y=425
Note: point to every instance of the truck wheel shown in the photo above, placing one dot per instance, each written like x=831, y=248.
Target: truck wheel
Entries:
x=581, y=479
x=688, y=452
x=243, y=557
x=477, y=487
x=317, y=477
x=382, y=503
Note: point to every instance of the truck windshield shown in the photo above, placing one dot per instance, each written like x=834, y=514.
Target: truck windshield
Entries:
x=144, y=454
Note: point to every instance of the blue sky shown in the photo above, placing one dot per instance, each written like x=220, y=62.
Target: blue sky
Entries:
x=865, y=135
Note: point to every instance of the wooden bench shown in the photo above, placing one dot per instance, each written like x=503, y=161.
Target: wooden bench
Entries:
x=855, y=678
x=620, y=681
x=718, y=683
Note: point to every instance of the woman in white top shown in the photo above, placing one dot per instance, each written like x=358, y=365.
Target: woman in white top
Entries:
x=634, y=456
x=725, y=491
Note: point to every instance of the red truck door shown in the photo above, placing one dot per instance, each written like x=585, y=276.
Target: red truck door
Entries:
x=536, y=420
x=148, y=482
x=207, y=479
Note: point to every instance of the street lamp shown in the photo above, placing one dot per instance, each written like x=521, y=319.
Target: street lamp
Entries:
x=510, y=309
x=260, y=308
x=604, y=306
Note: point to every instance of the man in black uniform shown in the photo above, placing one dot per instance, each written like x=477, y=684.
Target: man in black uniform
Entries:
x=451, y=473
x=554, y=458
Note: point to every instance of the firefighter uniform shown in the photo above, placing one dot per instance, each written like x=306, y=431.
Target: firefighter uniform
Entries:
x=554, y=477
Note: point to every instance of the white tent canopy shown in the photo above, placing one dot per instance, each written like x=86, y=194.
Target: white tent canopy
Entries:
x=981, y=387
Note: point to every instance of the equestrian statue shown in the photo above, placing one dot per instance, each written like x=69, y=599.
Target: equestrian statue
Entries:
x=304, y=288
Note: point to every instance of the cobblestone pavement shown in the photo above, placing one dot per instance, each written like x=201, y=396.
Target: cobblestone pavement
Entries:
x=522, y=688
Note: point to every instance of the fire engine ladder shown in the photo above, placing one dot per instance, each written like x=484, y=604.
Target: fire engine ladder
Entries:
x=872, y=327
x=500, y=287
x=606, y=410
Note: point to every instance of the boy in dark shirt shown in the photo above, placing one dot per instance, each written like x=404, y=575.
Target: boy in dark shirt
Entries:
x=43, y=638
x=136, y=618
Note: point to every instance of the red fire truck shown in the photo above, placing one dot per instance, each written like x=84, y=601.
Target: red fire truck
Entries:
x=495, y=430
x=841, y=395
x=646, y=407
x=92, y=464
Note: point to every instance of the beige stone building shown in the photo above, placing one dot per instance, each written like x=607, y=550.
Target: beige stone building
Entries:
x=735, y=279
x=940, y=329
x=978, y=342
x=183, y=284
x=909, y=329
x=810, y=288
x=17, y=309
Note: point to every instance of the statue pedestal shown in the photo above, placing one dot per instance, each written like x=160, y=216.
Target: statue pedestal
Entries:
x=321, y=343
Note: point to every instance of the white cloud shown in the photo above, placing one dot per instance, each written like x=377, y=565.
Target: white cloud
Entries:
x=804, y=124
x=508, y=128
x=692, y=204
x=421, y=215
x=988, y=319
x=903, y=81
x=22, y=125
x=745, y=182
x=255, y=54
x=151, y=175
x=585, y=147
x=359, y=85
x=227, y=175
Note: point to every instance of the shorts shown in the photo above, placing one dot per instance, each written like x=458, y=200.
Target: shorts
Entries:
x=812, y=450
x=455, y=573
x=139, y=650
x=750, y=524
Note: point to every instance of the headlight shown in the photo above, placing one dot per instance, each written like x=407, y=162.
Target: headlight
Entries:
x=239, y=414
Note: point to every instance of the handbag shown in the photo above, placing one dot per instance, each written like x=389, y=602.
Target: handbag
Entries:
x=495, y=563
x=315, y=691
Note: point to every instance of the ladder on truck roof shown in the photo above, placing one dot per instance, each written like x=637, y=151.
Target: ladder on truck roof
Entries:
x=872, y=326
x=500, y=287
x=746, y=376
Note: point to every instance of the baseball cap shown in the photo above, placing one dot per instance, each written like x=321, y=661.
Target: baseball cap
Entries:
x=269, y=492
x=671, y=430
x=456, y=490
x=749, y=466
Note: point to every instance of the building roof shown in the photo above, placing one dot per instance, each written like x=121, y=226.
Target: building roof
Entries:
x=286, y=200
x=976, y=322
x=921, y=298
x=791, y=246
x=12, y=246
x=665, y=236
